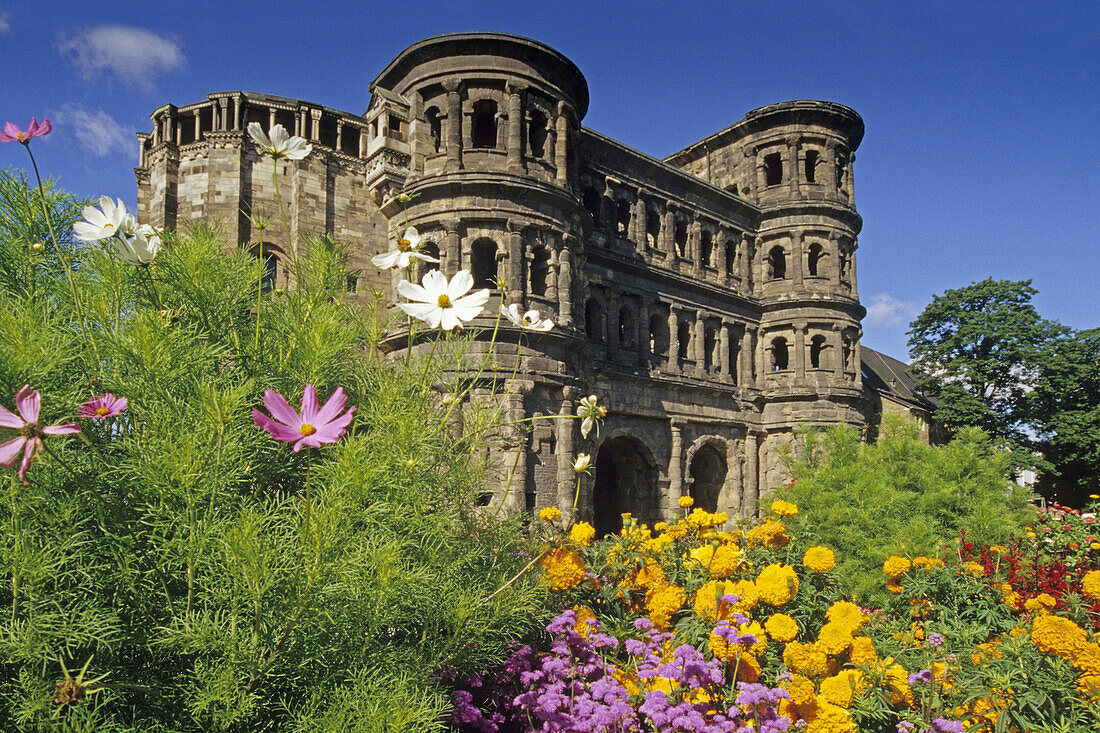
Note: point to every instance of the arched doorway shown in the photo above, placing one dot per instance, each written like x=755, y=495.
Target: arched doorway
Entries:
x=708, y=474
x=625, y=481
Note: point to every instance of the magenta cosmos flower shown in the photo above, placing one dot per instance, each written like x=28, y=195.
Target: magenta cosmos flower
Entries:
x=12, y=133
x=29, y=440
x=106, y=406
x=313, y=427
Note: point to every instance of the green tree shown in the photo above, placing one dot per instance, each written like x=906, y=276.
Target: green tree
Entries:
x=1064, y=407
x=977, y=350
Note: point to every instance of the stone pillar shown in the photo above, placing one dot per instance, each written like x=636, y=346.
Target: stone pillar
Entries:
x=364, y=141
x=800, y=350
x=565, y=284
x=673, y=342
x=695, y=248
x=315, y=126
x=271, y=121
x=450, y=253
x=857, y=362
x=838, y=358
x=723, y=366
x=639, y=223
x=340, y=135
x=850, y=178
x=796, y=173
x=744, y=359
x=830, y=167
x=567, y=479
x=750, y=504
x=514, y=138
x=643, y=334
x=561, y=146
x=198, y=125
x=454, y=128
x=761, y=174
x=834, y=259
x=700, y=344
x=416, y=135
x=852, y=271
x=668, y=232
x=758, y=351
x=723, y=253
x=303, y=127
x=515, y=469
x=797, y=258
x=223, y=121
x=675, y=470
x=514, y=268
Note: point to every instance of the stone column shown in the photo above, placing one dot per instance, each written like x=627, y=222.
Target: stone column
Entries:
x=749, y=507
x=340, y=135
x=723, y=253
x=852, y=271
x=761, y=174
x=758, y=351
x=796, y=258
x=857, y=362
x=834, y=259
x=515, y=469
x=416, y=135
x=668, y=232
x=450, y=253
x=830, y=167
x=695, y=247
x=565, y=284
x=364, y=141
x=271, y=120
x=223, y=121
x=796, y=173
x=454, y=128
x=567, y=481
x=744, y=359
x=514, y=144
x=800, y=350
x=639, y=223
x=838, y=357
x=198, y=125
x=236, y=113
x=675, y=470
x=514, y=268
x=850, y=178
x=561, y=146
x=643, y=334
x=723, y=366
x=303, y=127
x=673, y=342
x=315, y=126
x=700, y=344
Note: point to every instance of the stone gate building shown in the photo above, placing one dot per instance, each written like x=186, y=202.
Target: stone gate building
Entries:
x=709, y=298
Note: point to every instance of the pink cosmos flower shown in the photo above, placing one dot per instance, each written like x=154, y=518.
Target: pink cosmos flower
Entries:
x=313, y=426
x=12, y=133
x=108, y=405
x=29, y=440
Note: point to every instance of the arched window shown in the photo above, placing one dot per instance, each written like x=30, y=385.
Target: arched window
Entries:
x=777, y=263
x=680, y=237
x=536, y=134
x=435, y=127
x=592, y=205
x=540, y=271
x=658, y=335
x=811, y=166
x=706, y=249
x=652, y=228
x=710, y=348
x=622, y=217
x=483, y=133
x=432, y=250
x=817, y=348
x=593, y=320
x=627, y=333
x=731, y=256
x=773, y=169
x=813, y=259
x=780, y=356
x=683, y=337
x=483, y=264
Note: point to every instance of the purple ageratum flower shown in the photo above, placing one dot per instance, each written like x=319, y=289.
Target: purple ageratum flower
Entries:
x=313, y=426
x=29, y=440
x=943, y=725
x=12, y=133
x=99, y=408
x=935, y=640
x=925, y=676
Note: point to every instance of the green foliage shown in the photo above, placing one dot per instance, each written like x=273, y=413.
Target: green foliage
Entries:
x=977, y=350
x=898, y=495
x=223, y=581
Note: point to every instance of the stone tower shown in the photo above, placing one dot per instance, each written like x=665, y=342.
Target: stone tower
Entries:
x=709, y=299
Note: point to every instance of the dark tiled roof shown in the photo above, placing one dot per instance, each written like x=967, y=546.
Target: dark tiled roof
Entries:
x=886, y=375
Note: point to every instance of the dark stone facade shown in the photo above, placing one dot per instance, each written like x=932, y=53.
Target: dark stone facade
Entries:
x=709, y=299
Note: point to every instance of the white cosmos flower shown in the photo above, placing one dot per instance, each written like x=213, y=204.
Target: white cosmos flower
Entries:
x=529, y=321
x=443, y=304
x=106, y=221
x=590, y=412
x=582, y=462
x=139, y=247
x=281, y=144
x=404, y=251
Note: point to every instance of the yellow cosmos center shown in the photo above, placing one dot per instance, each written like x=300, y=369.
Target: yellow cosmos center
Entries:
x=444, y=301
x=101, y=411
x=404, y=245
x=307, y=429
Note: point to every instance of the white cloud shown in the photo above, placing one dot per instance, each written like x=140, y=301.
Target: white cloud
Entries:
x=95, y=130
x=5, y=23
x=134, y=55
x=886, y=311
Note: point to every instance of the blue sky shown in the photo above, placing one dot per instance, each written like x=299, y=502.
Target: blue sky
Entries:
x=980, y=157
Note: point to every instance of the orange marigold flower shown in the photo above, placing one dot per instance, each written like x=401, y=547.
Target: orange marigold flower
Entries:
x=862, y=651
x=777, y=584
x=563, y=568
x=1090, y=584
x=896, y=566
x=1040, y=603
x=894, y=586
x=1088, y=659
x=664, y=601
x=1058, y=635
x=584, y=613
x=897, y=684
x=781, y=627
x=782, y=508
x=819, y=559
x=972, y=568
x=986, y=652
x=748, y=668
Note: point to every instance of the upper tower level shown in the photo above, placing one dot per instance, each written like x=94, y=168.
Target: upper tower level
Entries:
x=486, y=102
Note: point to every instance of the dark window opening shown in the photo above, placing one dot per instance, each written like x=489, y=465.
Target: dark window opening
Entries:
x=658, y=336
x=432, y=250
x=777, y=263
x=435, y=127
x=285, y=118
x=622, y=217
x=731, y=256
x=483, y=265
x=540, y=271
x=394, y=123
x=683, y=337
x=349, y=143
x=811, y=166
x=710, y=348
x=206, y=119
x=258, y=115
x=592, y=205
x=680, y=238
x=484, y=131
x=626, y=327
x=773, y=169
x=817, y=347
x=731, y=368
x=327, y=132
x=187, y=130
x=652, y=228
x=780, y=356
x=536, y=134
x=706, y=249
x=593, y=317
x=813, y=259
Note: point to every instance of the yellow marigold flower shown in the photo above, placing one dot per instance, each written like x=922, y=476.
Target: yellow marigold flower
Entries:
x=754, y=628
x=897, y=683
x=584, y=613
x=659, y=544
x=781, y=627
x=830, y=718
x=1040, y=603
x=721, y=650
x=1000, y=549
x=563, y=568
x=748, y=668
x=862, y=651
x=1031, y=535
x=678, y=530
x=896, y=566
x=1058, y=635
x=708, y=603
x=986, y=652
x=1094, y=545
x=842, y=687
x=685, y=501
x=663, y=602
x=808, y=659
x=1088, y=685
x=927, y=563
x=627, y=679
x=801, y=689
x=1088, y=659
x=777, y=584
x=649, y=576
x=782, y=508
x=702, y=519
x=769, y=534
x=834, y=638
x=846, y=614
x=894, y=586
x=550, y=514
x=660, y=526
x=1090, y=583
x=1009, y=596
x=819, y=559
x=582, y=534
x=973, y=568
x=1017, y=631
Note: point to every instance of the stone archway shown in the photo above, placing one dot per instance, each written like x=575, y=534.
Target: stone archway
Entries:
x=625, y=480
x=708, y=476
